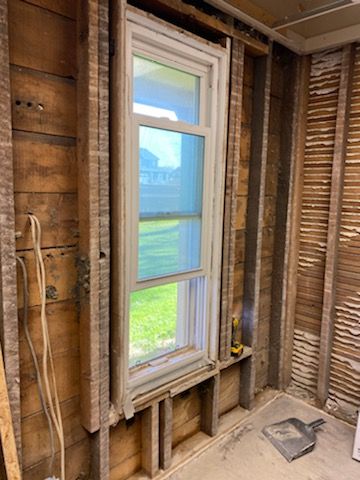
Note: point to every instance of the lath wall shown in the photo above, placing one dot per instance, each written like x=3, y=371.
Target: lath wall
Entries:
x=315, y=231
x=344, y=391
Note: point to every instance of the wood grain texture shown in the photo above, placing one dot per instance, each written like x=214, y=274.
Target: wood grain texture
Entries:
x=43, y=103
x=210, y=406
x=41, y=40
x=150, y=440
x=7, y=435
x=231, y=203
x=8, y=290
x=292, y=96
x=335, y=212
x=67, y=8
x=44, y=164
x=94, y=225
x=165, y=432
x=254, y=226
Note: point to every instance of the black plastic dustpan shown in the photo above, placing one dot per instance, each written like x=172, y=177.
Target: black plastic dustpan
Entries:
x=292, y=437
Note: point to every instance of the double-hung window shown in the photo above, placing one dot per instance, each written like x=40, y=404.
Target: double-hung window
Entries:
x=174, y=170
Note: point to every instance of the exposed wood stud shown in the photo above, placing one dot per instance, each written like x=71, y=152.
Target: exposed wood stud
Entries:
x=150, y=439
x=210, y=23
x=210, y=406
x=337, y=178
x=94, y=243
x=254, y=223
x=9, y=335
x=294, y=91
x=291, y=256
x=88, y=194
x=165, y=432
x=230, y=209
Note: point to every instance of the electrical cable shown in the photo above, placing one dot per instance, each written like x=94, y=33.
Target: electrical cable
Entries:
x=47, y=358
x=35, y=360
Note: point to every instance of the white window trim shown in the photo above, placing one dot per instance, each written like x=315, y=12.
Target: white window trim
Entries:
x=198, y=55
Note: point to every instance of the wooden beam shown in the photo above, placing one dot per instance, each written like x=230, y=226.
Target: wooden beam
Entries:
x=9, y=335
x=254, y=223
x=291, y=101
x=210, y=406
x=165, y=432
x=336, y=195
x=211, y=23
x=293, y=217
x=150, y=440
x=231, y=185
x=7, y=435
x=94, y=225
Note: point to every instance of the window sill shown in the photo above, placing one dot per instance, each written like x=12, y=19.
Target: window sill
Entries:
x=149, y=377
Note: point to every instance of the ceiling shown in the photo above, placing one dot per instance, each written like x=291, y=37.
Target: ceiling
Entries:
x=304, y=26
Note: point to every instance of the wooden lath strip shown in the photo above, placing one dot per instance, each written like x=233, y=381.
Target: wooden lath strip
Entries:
x=9, y=334
x=232, y=176
x=337, y=177
x=254, y=222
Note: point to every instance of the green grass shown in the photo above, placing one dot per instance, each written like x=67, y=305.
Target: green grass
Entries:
x=153, y=313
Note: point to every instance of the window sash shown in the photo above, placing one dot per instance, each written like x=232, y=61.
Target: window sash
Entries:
x=205, y=242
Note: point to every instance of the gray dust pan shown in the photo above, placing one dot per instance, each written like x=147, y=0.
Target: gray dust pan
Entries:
x=292, y=437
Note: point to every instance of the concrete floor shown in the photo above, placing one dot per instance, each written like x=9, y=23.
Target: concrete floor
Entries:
x=247, y=455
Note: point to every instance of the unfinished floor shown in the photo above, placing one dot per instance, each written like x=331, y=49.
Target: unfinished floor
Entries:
x=245, y=453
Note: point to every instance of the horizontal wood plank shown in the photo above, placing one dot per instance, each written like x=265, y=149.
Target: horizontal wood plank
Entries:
x=42, y=103
x=44, y=164
x=57, y=214
x=61, y=275
x=41, y=40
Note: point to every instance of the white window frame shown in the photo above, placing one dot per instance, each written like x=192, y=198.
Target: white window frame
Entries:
x=168, y=45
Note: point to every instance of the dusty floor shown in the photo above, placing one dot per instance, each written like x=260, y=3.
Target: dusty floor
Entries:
x=247, y=455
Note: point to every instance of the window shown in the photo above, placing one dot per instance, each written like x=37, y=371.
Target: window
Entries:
x=174, y=170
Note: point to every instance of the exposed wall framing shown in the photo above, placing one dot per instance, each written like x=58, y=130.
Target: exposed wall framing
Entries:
x=325, y=353
x=255, y=211
x=231, y=188
x=94, y=245
x=9, y=334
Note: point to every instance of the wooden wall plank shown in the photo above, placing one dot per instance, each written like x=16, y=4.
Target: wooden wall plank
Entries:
x=44, y=164
x=335, y=211
x=165, y=433
x=61, y=275
x=63, y=7
x=255, y=211
x=94, y=225
x=88, y=195
x=210, y=406
x=231, y=187
x=8, y=291
x=37, y=447
x=150, y=440
x=57, y=214
x=41, y=40
x=290, y=119
x=43, y=103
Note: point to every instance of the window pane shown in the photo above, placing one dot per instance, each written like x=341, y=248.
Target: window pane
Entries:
x=162, y=91
x=158, y=321
x=171, y=172
x=168, y=246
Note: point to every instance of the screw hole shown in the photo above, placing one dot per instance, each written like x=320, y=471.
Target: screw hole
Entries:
x=29, y=104
x=18, y=102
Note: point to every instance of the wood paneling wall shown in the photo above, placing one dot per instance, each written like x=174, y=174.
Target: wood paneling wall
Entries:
x=42, y=38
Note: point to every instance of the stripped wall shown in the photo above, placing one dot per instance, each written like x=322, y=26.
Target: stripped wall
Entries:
x=312, y=322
